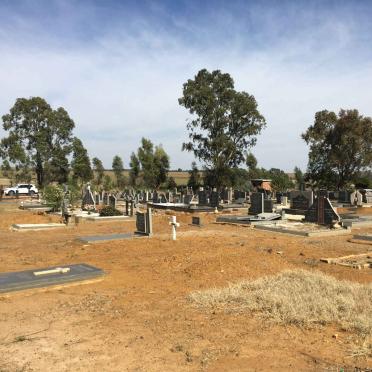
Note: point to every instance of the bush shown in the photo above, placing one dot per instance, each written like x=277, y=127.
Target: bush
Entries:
x=109, y=211
x=53, y=196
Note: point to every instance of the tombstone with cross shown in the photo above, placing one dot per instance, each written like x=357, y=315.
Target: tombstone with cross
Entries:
x=173, y=222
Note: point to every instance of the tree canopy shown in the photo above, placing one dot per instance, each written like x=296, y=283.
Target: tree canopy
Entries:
x=80, y=164
x=154, y=164
x=39, y=138
x=340, y=147
x=118, y=169
x=99, y=170
x=225, y=122
x=194, y=180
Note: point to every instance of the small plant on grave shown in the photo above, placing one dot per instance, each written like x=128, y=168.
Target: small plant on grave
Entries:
x=109, y=211
x=53, y=196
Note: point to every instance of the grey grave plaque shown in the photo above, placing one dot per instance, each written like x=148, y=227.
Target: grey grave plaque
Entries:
x=15, y=281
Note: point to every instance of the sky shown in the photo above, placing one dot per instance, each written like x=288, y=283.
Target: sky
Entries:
x=118, y=67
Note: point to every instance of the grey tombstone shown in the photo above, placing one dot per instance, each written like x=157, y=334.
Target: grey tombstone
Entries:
x=112, y=201
x=353, y=198
x=359, y=197
x=144, y=222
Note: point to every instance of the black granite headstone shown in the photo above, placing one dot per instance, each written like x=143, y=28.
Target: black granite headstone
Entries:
x=322, y=212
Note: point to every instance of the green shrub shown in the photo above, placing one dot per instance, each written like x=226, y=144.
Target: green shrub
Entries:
x=53, y=196
x=109, y=211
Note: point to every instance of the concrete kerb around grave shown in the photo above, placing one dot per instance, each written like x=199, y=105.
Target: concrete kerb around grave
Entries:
x=367, y=237
x=105, y=238
x=36, y=226
x=107, y=218
x=46, y=277
x=292, y=230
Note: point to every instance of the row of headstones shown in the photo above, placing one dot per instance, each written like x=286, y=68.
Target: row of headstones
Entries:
x=318, y=211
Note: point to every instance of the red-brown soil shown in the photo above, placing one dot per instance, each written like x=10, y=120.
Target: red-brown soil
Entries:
x=138, y=317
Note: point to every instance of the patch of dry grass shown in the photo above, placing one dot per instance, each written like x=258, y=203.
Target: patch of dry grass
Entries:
x=299, y=297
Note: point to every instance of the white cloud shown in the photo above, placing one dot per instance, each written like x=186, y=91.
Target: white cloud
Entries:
x=121, y=87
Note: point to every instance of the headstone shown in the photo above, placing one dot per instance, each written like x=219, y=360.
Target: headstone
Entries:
x=196, y=221
x=214, y=199
x=359, y=199
x=173, y=222
x=322, y=212
x=344, y=196
x=307, y=194
x=88, y=199
x=187, y=199
x=367, y=195
x=97, y=198
x=112, y=201
x=353, y=198
x=268, y=205
x=257, y=203
x=300, y=202
x=202, y=197
x=144, y=222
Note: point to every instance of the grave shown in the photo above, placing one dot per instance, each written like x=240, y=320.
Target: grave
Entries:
x=196, y=221
x=56, y=275
x=301, y=229
x=300, y=202
x=356, y=261
x=106, y=218
x=144, y=223
x=259, y=204
x=322, y=212
x=365, y=237
x=112, y=201
x=104, y=238
x=262, y=218
x=88, y=199
x=214, y=199
x=37, y=226
x=202, y=197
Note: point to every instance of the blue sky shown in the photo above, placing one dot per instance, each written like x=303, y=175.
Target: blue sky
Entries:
x=118, y=67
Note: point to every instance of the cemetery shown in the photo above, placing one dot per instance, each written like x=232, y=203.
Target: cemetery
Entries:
x=123, y=272
x=161, y=213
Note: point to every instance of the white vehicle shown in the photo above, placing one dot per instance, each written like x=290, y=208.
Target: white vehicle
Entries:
x=22, y=188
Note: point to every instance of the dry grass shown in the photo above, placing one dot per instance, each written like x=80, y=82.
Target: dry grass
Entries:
x=299, y=297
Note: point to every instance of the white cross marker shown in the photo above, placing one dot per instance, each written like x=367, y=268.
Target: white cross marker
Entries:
x=174, y=225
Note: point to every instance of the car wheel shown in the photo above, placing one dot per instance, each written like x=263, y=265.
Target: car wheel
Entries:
x=32, y=192
x=11, y=193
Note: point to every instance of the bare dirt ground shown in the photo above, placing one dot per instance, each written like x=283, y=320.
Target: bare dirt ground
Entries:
x=138, y=318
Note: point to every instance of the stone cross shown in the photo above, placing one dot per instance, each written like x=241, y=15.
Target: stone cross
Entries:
x=174, y=225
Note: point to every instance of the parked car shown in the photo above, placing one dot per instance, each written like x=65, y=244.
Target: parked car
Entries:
x=22, y=188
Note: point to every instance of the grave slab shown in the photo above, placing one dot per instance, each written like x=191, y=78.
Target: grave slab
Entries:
x=104, y=238
x=301, y=229
x=37, y=226
x=108, y=218
x=367, y=237
x=56, y=275
x=262, y=218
